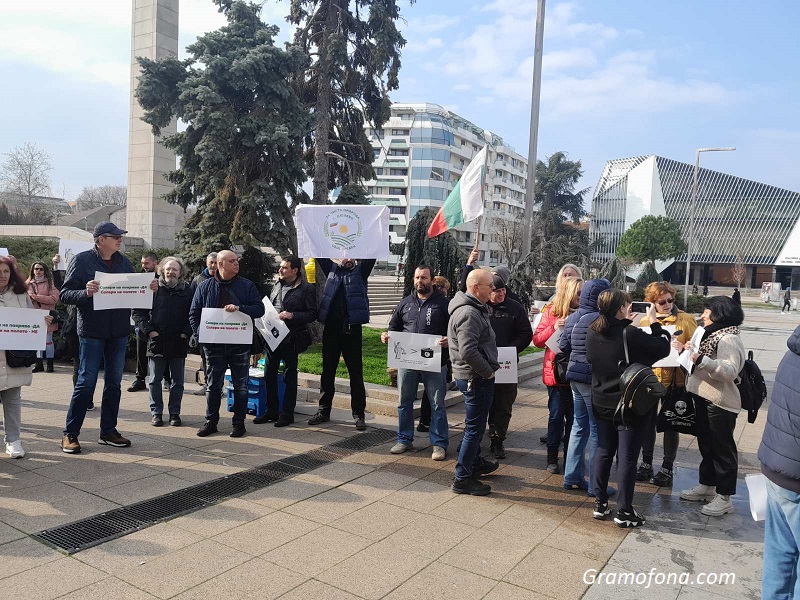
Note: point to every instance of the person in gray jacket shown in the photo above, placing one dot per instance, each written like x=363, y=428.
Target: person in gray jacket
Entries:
x=473, y=352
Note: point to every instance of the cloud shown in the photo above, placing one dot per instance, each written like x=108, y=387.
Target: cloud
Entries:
x=430, y=24
x=426, y=45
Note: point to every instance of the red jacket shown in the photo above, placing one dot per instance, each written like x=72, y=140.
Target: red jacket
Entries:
x=546, y=327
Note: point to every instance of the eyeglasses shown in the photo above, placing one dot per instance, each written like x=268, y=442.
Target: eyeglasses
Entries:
x=666, y=301
x=113, y=237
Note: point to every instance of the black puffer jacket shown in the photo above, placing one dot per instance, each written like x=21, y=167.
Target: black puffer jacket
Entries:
x=170, y=318
x=510, y=323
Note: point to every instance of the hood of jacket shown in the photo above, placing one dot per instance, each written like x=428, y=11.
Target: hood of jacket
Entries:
x=590, y=292
x=463, y=299
x=794, y=341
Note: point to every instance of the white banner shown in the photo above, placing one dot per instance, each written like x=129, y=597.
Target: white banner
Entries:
x=3, y=251
x=672, y=359
x=507, y=357
x=23, y=329
x=218, y=326
x=123, y=290
x=417, y=351
x=271, y=328
x=67, y=249
x=343, y=231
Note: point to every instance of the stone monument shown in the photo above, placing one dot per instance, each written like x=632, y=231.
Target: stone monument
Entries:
x=154, y=35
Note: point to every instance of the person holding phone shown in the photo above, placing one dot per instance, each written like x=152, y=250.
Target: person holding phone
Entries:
x=661, y=295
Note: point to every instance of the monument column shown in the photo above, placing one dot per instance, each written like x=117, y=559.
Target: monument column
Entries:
x=154, y=35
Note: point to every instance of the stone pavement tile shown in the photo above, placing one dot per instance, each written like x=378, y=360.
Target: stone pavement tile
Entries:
x=222, y=517
x=506, y=591
x=213, y=469
x=18, y=479
x=621, y=583
x=430, y=536
x=82, y=474
x=421, y=496
x=256, y=579
x=138, y=549
x=50, y=580
x=142, y=489
x=110, y=587
x=414, y=464
x=529, y=522
x=44, y=506
x=284, y=493
x=22, y=555
x=639, y=557
x=553, y=572
x=336, y=473
x=445, y=477
x=471, y=510
x=586, y=536
x=183, y=458
x=744, y=561
x=9, y=534
x=317, y=550
x=443, y=582
x=378, y=484
x=375, y=571
x=330, y=505
x=489, y=553
x=377, y=456
x=376, y=521
x=557, y=502
x=182, y=569
x=12, y=467
x=266, y=533
x=318, y=591
x=693, y=593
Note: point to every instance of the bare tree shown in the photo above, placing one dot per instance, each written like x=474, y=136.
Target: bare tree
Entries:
x=738, y=270
x=104, y=195
x=26, y=173
x=506, y=232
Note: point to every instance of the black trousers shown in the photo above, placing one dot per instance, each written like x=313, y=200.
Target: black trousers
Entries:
x=671, y=440
x=286, y=354
x=720, y=464
x=142, y=362
x=500, y=413
x=346, y=344
x=627, y=442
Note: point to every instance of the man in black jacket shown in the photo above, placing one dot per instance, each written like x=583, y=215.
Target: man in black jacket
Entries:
x=344, y=308
x=511, y=328
x=167, y=331
x=149, y=264
x=423, y=311
x=296, y=303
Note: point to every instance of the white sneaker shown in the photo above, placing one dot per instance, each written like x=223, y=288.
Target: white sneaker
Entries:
x=438, y=453
x=699, y=493
x=400, y=447
x=14, y=449
x=719, y=506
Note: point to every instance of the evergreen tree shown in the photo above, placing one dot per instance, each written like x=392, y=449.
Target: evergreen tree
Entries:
x=353, y=193
x=241, y=153
x=650, y=239
x=442, y=253
x=355, y=45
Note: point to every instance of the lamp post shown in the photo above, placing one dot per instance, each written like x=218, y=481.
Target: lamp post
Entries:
x=691, y=218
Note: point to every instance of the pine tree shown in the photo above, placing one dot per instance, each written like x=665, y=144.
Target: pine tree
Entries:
x=442, y=253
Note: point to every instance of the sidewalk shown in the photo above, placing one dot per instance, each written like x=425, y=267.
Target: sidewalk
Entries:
x=372, y=525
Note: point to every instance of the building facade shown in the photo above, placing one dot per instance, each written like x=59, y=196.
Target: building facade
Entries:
x=736, y=220
x=420, y=154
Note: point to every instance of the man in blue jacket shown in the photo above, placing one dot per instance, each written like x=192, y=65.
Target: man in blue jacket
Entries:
x=233, y=293
x=102, y=336
x=424, y=310
x=344, y=308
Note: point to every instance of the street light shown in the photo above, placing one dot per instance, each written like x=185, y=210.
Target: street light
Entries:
x=691, y=218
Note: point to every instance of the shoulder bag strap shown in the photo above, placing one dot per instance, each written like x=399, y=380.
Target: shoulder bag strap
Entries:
x=625, y=345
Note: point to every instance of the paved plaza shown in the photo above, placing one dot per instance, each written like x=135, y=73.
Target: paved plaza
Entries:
x=372, y=525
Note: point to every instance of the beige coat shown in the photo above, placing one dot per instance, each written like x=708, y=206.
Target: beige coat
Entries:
x=12, y=378
x=715, y=377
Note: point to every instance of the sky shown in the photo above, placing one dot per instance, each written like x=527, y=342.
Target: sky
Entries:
x=620, y=78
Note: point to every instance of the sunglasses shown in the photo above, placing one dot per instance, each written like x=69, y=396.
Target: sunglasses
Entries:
x=38, y=269
x=666, y=301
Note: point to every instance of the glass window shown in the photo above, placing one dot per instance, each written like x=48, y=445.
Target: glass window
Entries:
x=399, y=191
x=498, y=173
x=437, y=174
x=398, y=171
x=376, y=152
x=397, y=210
x=379, y=171
x=500, y=158
x=399, y=131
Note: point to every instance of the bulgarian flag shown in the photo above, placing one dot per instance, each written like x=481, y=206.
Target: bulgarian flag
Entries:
x=465, y=202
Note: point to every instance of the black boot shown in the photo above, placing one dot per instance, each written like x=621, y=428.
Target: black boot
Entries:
x=552, y=461
x=49, y=368
x=39, y=366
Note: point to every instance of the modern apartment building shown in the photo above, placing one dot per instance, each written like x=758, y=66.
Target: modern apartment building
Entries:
x=420, y=154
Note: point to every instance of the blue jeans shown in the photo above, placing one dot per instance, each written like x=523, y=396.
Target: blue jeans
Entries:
x=781, y=542
x=559, y=403
x=408, y=381
x=92, y=353
x=584, y=429
x=478, y=396
x=155, y=368
x=218, y=358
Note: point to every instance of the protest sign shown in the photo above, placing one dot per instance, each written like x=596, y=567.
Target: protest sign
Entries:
x=342, y=231
x=507, y=357
x=672, y=359
x=218, y=326
x=3, y=251
x=67, y=249
x=271, y=328
x=123, y=290
x=416, y=351
x=23, y=329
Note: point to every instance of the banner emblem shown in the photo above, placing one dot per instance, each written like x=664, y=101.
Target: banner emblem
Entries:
x=343, y=227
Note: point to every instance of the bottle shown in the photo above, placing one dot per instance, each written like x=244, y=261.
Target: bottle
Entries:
x=311, y=271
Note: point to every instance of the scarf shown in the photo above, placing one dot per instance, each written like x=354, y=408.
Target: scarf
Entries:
x=39, y=278
x=163, y=283
x=712, y=335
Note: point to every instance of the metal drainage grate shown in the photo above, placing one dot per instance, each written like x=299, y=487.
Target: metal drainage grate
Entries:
x=92, y=531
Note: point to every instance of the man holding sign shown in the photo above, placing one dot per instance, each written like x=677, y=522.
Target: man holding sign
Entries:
x=423, y=311
x=228, y=291
x=102, y=337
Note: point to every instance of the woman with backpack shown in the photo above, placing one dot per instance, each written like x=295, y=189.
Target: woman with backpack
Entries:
x=712, y=382
x=44, y=296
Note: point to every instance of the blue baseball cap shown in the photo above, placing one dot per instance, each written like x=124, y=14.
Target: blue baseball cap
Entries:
x=107, y=228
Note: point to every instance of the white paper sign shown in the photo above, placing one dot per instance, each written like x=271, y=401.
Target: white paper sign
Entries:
x=673, y=359
x=685, y=359
x=271, y=328
x=67, y=249
x=218, y=326
x=552, y=341
x=342, y=231
x=417, y=351
x=23, y=329
x=3, y=251
x=123, y=290
x=507, y=357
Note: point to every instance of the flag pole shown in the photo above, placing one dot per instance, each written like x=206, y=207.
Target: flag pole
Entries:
x=483, y=194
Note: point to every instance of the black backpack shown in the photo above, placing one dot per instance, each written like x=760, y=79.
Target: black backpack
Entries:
x=752, y=388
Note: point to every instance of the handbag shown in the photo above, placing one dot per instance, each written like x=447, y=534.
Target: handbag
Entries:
x=683, y=412
x=16, y=359
x=560, y=364
x=641, y=389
